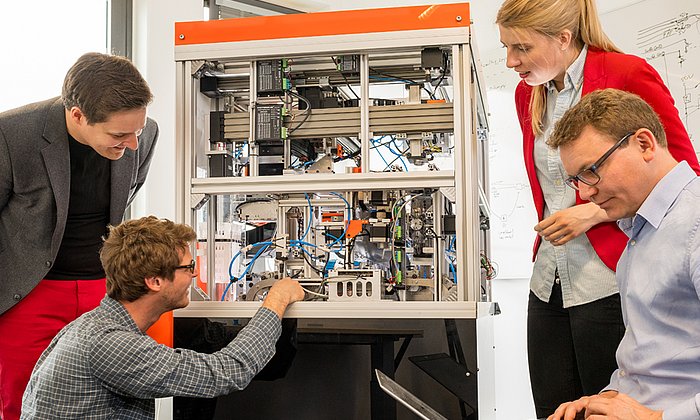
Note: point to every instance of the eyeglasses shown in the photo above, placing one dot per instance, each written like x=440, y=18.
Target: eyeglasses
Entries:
x=190, y=267
x=590, y=175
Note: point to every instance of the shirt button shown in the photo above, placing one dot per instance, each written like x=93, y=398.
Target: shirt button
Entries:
x=633, y=242
x=557, y=281
x=47, y=264
x=622, y=372
x=17, y=296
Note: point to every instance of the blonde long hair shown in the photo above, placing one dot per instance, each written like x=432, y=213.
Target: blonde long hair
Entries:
x=550, y=18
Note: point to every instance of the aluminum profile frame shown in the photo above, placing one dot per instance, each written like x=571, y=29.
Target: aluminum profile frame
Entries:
x=464, y=178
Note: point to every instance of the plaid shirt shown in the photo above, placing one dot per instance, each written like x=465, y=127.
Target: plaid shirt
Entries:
x=102, y=366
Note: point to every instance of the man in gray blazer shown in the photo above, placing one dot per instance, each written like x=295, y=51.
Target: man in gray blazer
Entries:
x=69, y=166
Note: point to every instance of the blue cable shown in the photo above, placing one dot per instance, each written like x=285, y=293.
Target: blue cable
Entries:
x=382, y=156
x=308, y=225
x=450, y=247
x=301, y=164
x=393, y=79
x=252, y=261
x=230, y=266
x=239, y=150
x=384, y=79
x=294, y=243
x=223, y=295
x=297, y=243
x=342, y=245
x=401, y=159
x=232, y=278
x=228, y=286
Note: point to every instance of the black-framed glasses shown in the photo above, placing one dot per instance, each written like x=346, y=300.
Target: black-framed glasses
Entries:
x=190, y=267
x=590, y=175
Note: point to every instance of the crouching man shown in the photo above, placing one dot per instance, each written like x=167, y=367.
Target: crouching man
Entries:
x=103, y=365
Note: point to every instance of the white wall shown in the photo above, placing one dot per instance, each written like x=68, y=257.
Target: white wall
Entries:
x=154, y=28
x=34, y=64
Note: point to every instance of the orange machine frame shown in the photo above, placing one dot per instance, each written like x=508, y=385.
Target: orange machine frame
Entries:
x=323, y=24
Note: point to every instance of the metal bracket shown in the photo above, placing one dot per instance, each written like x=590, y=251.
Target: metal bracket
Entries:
x=198, y=200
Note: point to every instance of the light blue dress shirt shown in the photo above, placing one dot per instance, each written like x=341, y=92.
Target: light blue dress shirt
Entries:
x=659, y=280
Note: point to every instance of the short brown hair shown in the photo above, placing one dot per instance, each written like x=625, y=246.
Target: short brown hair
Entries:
x=611, y=112
x=101, y=84
x=139, y=249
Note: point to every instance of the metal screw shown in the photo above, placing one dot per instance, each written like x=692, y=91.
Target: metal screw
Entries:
x=182, y=36
x=459, y=18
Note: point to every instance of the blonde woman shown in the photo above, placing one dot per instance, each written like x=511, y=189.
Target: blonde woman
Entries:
x=575, y=323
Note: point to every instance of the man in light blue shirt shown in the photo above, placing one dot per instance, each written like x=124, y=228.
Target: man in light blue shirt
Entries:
x=614, y=149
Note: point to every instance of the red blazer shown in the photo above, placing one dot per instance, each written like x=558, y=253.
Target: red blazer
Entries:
x=620, y=71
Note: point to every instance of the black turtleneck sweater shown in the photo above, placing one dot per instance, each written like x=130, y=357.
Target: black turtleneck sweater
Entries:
x=88, y=215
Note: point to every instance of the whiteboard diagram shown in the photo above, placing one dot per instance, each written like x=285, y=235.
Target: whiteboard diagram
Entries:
x=512, y=210
x=671, y=47
x=667, y=35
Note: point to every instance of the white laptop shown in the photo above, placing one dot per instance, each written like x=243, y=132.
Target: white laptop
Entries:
x=403, y=396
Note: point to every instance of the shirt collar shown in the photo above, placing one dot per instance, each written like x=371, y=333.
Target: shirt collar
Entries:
x=574, y=74
x=660, y=200
x=119, y=312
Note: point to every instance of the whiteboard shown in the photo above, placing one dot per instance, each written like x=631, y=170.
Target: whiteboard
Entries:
x=512, y=210
x=665, y=32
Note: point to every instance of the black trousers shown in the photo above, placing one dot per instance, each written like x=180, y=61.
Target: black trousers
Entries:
x=571, y=351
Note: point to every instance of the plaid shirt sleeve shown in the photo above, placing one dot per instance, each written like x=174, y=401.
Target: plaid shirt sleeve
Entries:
x=134, y=365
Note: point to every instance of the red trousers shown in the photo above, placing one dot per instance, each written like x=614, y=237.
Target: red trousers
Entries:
x=27, y=328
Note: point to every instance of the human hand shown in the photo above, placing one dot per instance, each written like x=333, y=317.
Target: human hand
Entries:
x=575, y=410
x=619, y=407
x=565, y=225
x=283, y=293
x=572, y=410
